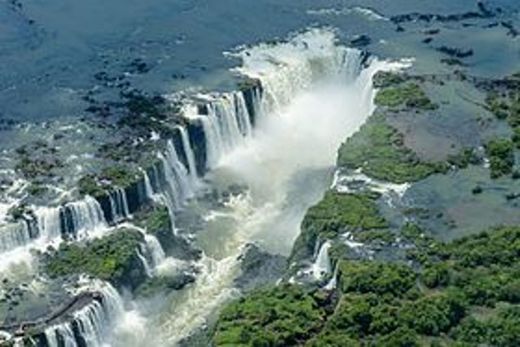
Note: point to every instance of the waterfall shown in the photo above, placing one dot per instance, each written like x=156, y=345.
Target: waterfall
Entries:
x=148, y=188
x=287, y=68
x=226, y=126
x=181, y=175
x=321, y=265
x=75, y=220
x=49, y=223
x=154, y=249
x=190, y=157
x=88, y=325
x=60, y=335
x=171, y=192
x=119, y=205
x=244, y=119
x=83, y=218
x=14, y=235
x=144, y=261
x=333, y=280
x=179, y=184
x=213, y=140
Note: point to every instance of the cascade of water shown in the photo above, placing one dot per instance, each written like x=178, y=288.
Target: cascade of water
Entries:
x=144, y=261
x=333, y=280
x=89, y=322
x=213, y=140
x=14, y=235
x=226, y=126
x=244, y=119
x=171, y=192
x=154, y=249
x=60, y=335
x=321, y=265
x=86, y=217
x=224, y=111
x=119, y=205
x=148, y=189
x=180, y=173
x=188, y=151
x=88, y=325
x=49, y=223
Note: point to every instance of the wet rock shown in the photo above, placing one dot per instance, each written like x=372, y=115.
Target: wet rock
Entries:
x=259, y=268
x=512, y=31
x=360, y=41
x=456, y=52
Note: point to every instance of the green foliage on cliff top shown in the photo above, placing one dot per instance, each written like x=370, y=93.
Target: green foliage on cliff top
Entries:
x=465, y=293
x=373, y=277
x=378, y=150
x=108, y=258
x=88, y=185
x=335, y=214
x=280, y=316
x=108, y=179
x=156, y=220
x=409, y=95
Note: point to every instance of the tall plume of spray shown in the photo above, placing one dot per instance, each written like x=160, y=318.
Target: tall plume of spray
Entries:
x=315, y=93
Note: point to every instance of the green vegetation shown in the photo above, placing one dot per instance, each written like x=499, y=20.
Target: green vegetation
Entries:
x=498, y=106
x=335, y=214
x=385, y=79
x=505, y=105
x=42, y=167
x=110, y=177
x=120, y=176
x=112, y=258
x=464, y=158
x=149, y=113
x=462, y=293
x=501, y=157
x=369, y=236
x=156, y=221
x=37, y=159
x=280, y=316
x=378, y=150
x=88, y=185
x=377, y=278
x=409, y=95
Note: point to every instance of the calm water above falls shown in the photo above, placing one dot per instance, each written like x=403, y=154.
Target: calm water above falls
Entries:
x=316, y=91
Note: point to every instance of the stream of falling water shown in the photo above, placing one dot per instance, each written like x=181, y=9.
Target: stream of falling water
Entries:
x=316, y=94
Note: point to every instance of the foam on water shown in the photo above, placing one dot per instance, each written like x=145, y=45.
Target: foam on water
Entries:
x=90, y=325
x=314, y=94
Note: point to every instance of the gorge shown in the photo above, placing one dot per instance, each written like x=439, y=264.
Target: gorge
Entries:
x=336, y=185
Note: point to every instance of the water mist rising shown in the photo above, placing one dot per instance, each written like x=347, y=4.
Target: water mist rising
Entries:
x=315, y=94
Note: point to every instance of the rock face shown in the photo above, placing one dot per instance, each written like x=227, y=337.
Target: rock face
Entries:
x=259, y=268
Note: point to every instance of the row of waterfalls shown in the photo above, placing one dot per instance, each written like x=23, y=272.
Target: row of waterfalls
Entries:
x=218, y=125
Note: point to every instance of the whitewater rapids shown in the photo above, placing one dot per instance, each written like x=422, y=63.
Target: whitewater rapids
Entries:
x=316, y=93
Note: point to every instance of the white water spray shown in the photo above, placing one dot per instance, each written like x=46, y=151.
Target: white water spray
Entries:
x=315, y=94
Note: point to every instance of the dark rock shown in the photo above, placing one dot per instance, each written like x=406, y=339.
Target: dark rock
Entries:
x=512, y=31
x=432, y=31
x=360, y=41
x=455, y=52
x=259, y=268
